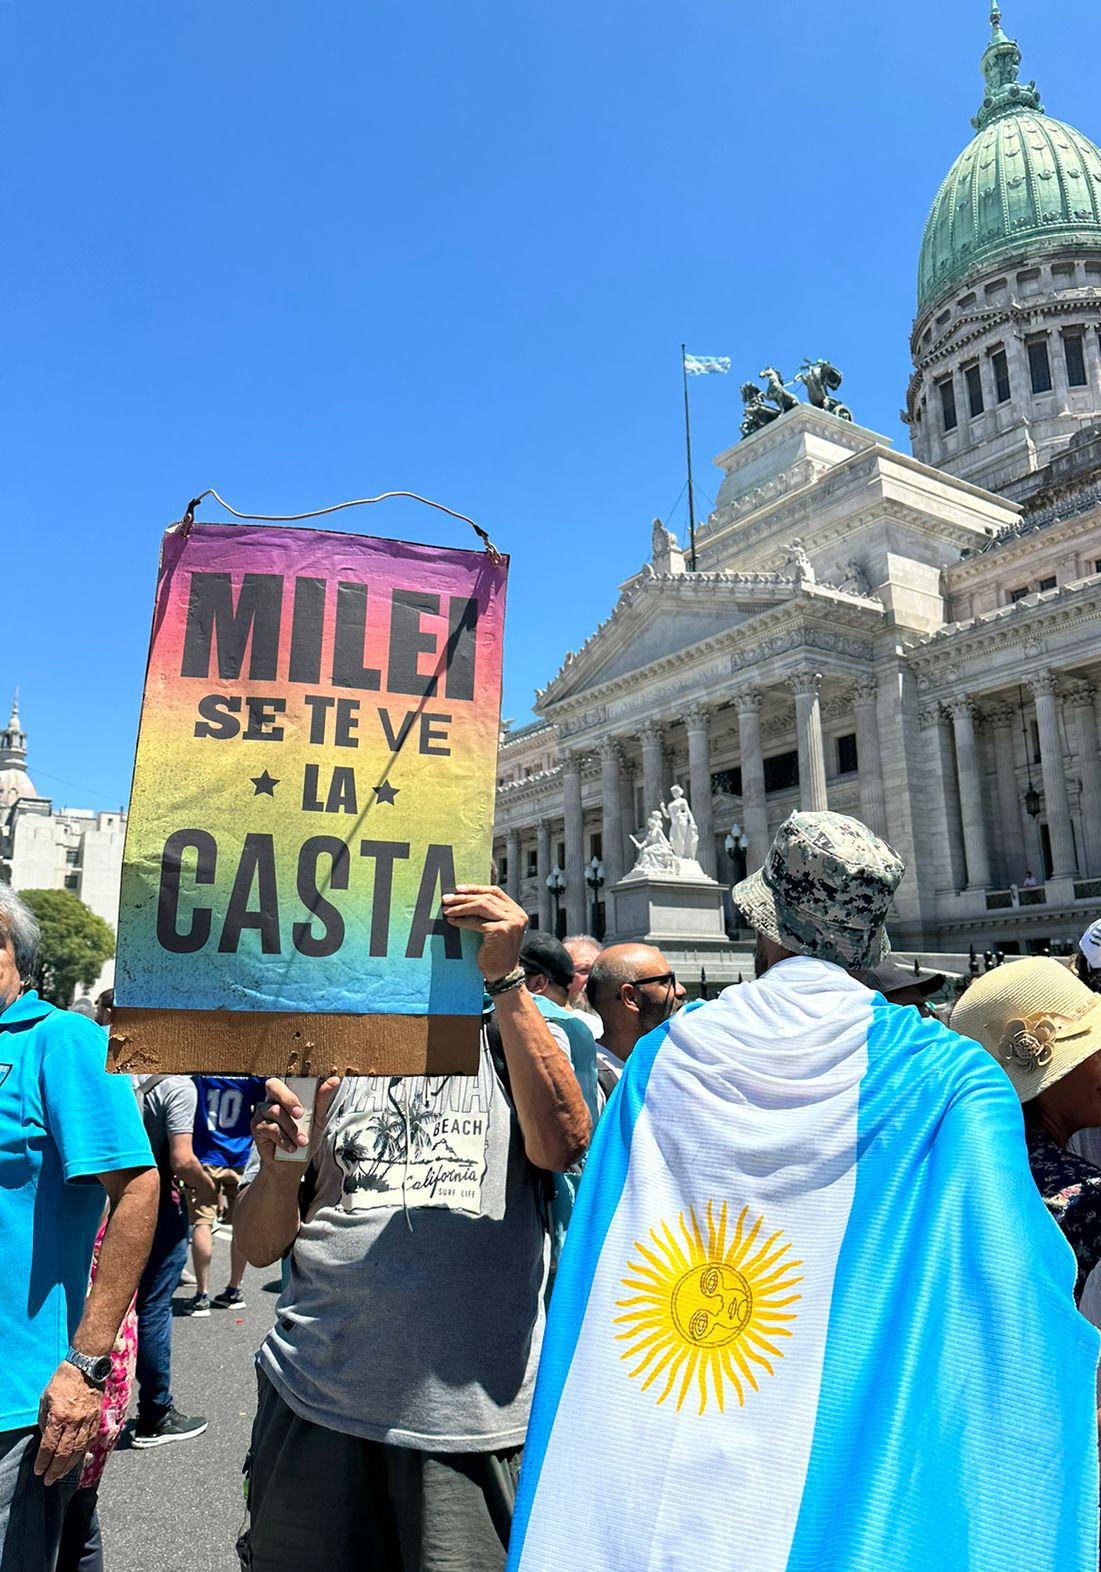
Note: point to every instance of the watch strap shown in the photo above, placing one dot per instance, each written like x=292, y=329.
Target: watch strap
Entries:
x=93, y=1367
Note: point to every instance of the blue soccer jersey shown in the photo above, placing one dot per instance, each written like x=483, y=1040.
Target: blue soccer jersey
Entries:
x=223, y=1137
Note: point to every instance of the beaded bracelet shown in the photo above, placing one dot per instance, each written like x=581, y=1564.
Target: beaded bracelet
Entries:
x=506, y=984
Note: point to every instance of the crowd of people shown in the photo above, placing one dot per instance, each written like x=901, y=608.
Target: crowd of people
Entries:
x=425, y=1230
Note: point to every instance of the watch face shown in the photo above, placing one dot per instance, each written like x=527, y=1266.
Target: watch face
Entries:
x=100, y=1368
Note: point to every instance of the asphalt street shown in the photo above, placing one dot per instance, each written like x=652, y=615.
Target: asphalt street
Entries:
x=179, y=1508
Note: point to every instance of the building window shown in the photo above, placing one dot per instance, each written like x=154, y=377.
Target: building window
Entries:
x=948, y=404
x=1074, y=348
x=782, y=772
x=596, y=846
x=502, y=871
x=1046, y=584
x=846, y=754
x=1000, y=366
x=560, y=860
x=974, y=390
x=1039, y=365
x=71, y=881
x=70, y=856
x=1097, y=566
x=533, y=864
x=728, y=783
x=1018, y=594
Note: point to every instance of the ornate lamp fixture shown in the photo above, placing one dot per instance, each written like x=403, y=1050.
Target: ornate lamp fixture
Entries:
x=594, y=878
x=737, y=840
x=556, y=884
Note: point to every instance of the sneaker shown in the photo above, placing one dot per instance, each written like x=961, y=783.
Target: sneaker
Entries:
x=198, y=1306
x=229, y=1299
x=172, y=1426
x=188, y=1276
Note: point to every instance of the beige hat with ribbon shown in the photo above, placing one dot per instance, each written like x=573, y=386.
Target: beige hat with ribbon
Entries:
x=1035, y=1018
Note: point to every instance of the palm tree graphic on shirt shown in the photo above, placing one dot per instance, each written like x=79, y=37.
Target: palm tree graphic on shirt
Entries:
x=394, y=1135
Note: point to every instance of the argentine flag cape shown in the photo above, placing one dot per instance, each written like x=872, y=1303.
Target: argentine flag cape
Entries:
x=812, y=1315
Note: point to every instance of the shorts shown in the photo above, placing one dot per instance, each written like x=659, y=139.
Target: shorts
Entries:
x=226, y=1181
x=321, y=1498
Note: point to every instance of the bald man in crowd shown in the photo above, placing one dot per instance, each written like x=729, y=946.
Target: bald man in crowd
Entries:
x=632, y=988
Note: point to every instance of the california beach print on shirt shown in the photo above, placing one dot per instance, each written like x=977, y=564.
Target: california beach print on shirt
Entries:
x=413, y=1141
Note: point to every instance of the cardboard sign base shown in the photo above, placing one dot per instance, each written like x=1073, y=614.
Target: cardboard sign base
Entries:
x=254, y=1042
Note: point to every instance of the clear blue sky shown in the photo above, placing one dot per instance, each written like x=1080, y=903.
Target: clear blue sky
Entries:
x=309, y=251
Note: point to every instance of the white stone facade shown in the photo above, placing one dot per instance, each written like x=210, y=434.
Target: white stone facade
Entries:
x=884, y=668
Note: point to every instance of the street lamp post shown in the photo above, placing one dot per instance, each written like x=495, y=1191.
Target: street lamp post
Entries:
x=737, y=844
x=594, y=878
x=737, y=841
x=556, y=884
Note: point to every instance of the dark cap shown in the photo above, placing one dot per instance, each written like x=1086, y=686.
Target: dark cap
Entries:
x=891, y=977
x=541, y=952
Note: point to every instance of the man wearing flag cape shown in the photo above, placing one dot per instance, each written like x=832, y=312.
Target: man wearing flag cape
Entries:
x=812, y=1315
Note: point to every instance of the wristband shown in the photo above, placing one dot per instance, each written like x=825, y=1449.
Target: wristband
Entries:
x=515, y=979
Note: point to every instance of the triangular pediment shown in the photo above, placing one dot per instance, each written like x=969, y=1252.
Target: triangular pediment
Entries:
x=655, y=618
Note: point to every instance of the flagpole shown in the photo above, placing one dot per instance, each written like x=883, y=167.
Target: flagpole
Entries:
x=688, y=447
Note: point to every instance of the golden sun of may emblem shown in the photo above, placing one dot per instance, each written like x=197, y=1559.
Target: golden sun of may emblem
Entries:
x=707, y=1310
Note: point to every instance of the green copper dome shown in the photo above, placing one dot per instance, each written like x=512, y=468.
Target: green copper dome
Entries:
x=1026, y=183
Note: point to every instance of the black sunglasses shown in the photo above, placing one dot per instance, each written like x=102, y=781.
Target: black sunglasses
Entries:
x=669, y=979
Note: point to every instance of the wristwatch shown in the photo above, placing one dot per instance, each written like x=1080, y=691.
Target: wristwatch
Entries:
x=93, y=1367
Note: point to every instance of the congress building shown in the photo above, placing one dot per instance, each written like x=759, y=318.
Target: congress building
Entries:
x=911, y=638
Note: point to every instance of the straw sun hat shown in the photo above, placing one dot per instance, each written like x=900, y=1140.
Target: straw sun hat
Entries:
x=1035, y=1018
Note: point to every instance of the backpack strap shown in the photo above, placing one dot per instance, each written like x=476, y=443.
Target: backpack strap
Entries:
x=542, y=1180
x=607, y=1079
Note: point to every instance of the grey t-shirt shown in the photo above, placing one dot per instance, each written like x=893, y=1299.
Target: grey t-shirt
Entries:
x=167, y=1109
x=413, y=1312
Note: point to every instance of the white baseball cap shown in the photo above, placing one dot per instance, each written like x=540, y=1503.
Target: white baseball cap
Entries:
x=1090, y=944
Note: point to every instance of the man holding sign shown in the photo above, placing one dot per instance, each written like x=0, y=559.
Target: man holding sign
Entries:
x=395, y=1386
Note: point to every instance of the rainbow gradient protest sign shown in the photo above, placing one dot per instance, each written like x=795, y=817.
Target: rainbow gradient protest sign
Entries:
x=316, y=765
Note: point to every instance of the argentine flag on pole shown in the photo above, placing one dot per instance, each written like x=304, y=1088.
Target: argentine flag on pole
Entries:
x=812, y=1315
x=705, y=365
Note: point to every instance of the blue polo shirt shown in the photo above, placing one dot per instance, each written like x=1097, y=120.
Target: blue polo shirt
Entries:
x=63, y=1120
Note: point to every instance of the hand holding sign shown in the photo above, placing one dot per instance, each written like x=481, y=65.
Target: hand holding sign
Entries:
x=276, y=1124
x=488, y=911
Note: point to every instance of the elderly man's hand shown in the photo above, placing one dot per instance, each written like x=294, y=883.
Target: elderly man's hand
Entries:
x=489, y=911
x=68, y=1417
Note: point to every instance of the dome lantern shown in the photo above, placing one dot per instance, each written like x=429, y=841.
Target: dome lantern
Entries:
x=1001, y=65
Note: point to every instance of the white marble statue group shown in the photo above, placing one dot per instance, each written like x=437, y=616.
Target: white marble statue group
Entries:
x=673, y=855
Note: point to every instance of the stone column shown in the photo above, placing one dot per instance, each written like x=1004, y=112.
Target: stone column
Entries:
x=1014, y=835
x=1020, y=378
x=808, y=732
x=962, y=712
x=1081, y=697
x=698, y=722
x=754, y=810
x=989, y=386
x=577, y=891
x=873, y=800
x=611, y=797
x=946, y=830
x=543, y=868
x=653, y=766
x=1093, y=360
x=512, y=852
x=1056, y=801
x=1059, y=379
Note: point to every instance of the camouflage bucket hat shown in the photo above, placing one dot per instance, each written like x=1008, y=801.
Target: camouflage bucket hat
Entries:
x=824, y=890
